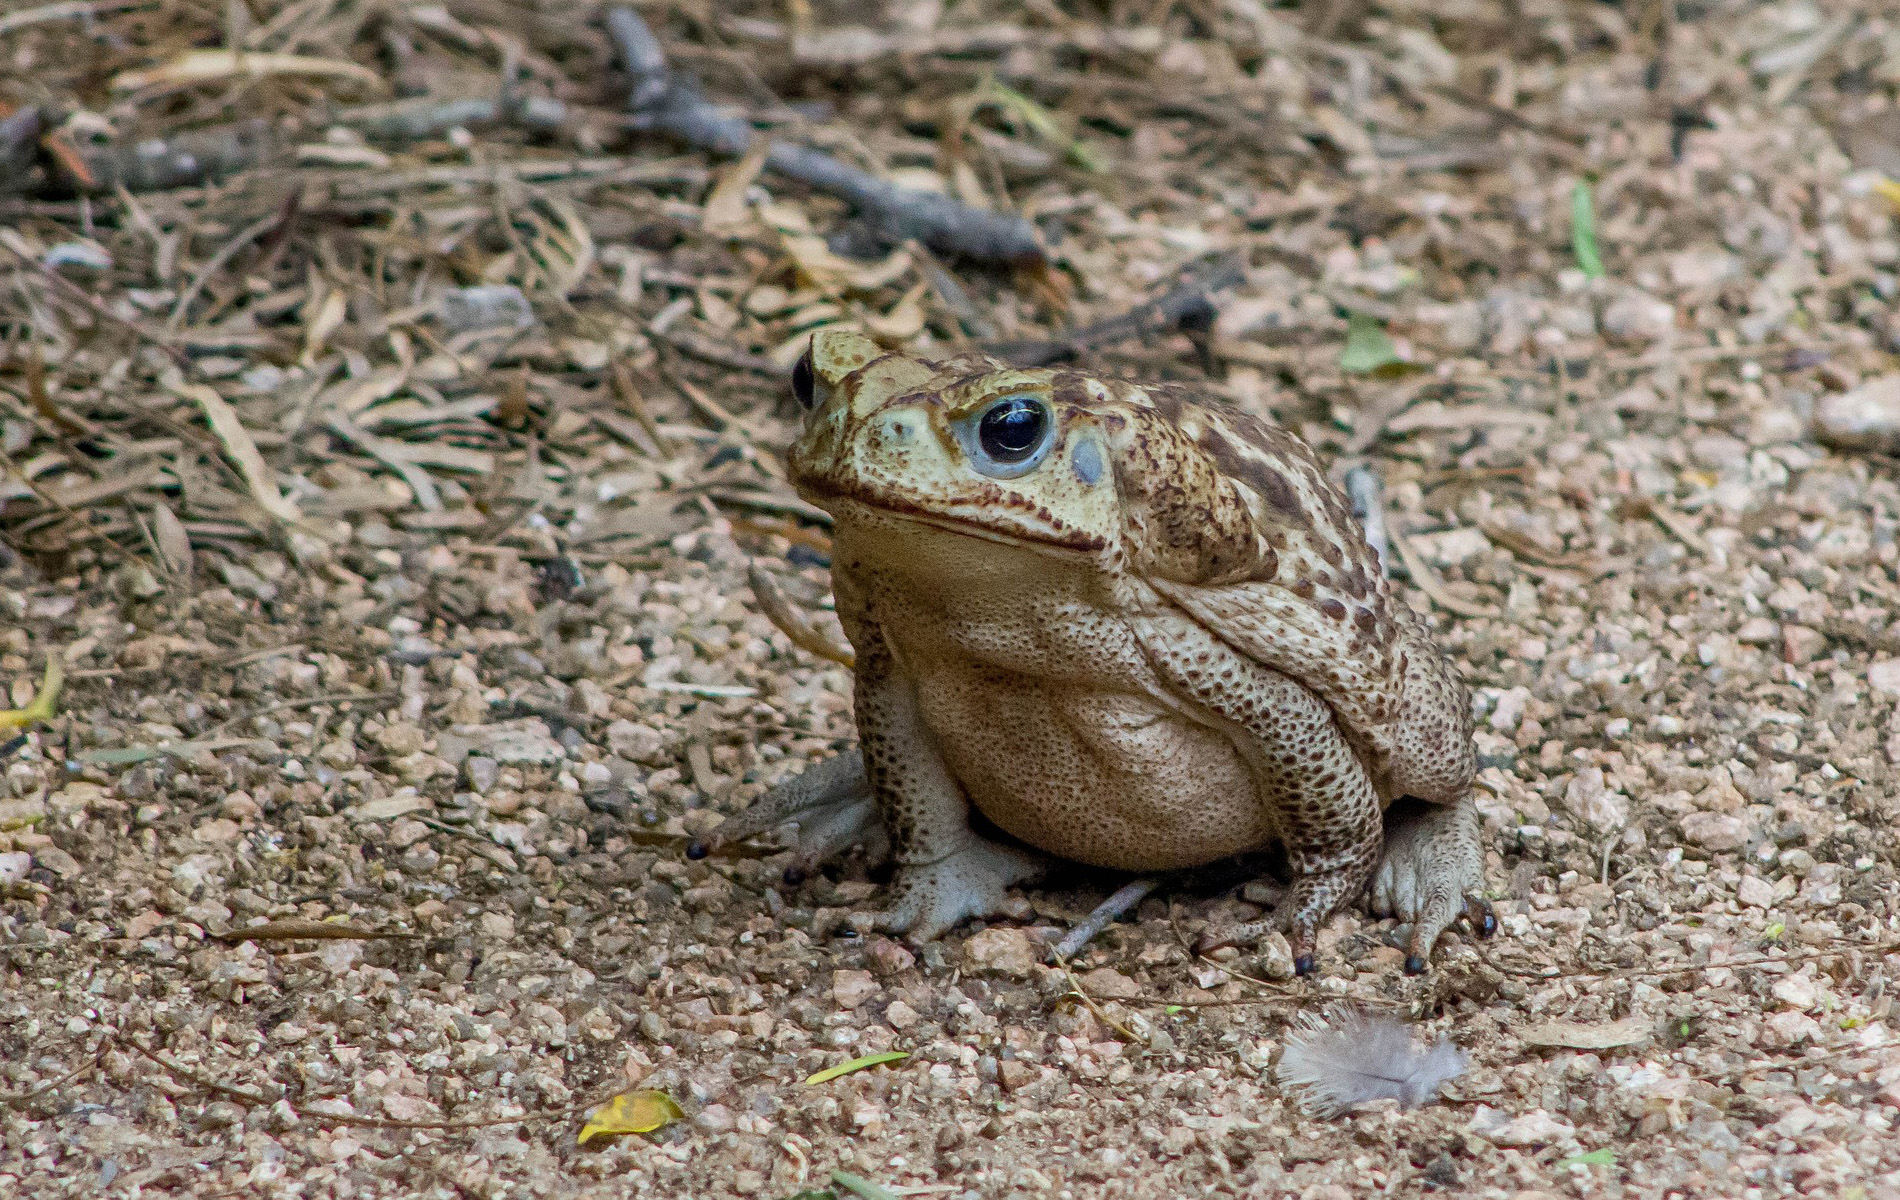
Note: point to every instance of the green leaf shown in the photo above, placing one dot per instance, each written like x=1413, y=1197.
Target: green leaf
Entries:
x=1367, y=346
x=856, y=1064
x=1044, y=125
x=861, y=1187
x=1774, y=930
x=1173, y=1009
x=1583, y=231
x=1605, y=1157
x=631, y=1112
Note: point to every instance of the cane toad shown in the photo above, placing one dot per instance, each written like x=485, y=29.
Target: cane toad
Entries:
x=1132, y=628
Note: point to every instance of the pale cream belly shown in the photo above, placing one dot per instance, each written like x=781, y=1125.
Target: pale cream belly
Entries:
x=1110, y=779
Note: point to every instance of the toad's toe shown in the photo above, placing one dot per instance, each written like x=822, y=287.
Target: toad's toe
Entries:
x=1431, y=873
x=929, y=899
x=831, y=803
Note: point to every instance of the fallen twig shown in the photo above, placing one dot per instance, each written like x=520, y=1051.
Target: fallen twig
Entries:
x=431, y=116
x=1109, y=910
x=793, y=625
x=230, y=250
x=19, y=134
x=857, y=45
x=34, y=1093
x=671, y=104
x=184, y=159
x=1187, y=306
x=1368, y=504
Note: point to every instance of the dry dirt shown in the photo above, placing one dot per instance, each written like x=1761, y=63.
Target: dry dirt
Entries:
x=467, y=650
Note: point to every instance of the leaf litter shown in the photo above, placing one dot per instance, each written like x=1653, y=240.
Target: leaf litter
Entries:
x=358, y=358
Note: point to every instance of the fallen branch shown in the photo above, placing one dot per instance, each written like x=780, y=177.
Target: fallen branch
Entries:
x=1189, y=307
x=1368, y=504
x=19, y=135
x=672, y=104
x=1108, y=911
x=184, y=159
x=431, y=116
x=792, y=623
x=65, y=10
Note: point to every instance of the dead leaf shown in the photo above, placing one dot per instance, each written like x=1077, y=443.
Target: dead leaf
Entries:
x=239, y=447
x=727, y=212
x=174, y=544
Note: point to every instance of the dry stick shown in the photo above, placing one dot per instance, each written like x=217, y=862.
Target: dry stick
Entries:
x=1368, y=504
x=1189, y=306
x=1124, y=899
x=1842, y=947
x=184, y=1072
x=804, y=635
x=672, y=104
x=19, y=135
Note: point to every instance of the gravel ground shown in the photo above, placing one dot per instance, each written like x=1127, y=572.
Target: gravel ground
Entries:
x=1648, y=514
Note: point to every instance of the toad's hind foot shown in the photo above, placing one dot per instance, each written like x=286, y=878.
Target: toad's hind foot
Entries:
x=1316, y=893
x=1432, y=873
x=831, y=802
x=929, y=899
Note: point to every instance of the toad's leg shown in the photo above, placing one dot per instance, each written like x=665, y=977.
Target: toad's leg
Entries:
x=830, y=801
x=1432, y=873
x=1318, y=790
x=946, y=873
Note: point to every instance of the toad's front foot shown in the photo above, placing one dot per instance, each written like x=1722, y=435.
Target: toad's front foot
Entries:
x=929, y=899
x=832, y=806
x=1432, y=873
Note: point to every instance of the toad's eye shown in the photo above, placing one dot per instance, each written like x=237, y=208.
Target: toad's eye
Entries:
x=804, y=382
x=1009, y=436
x=1012, y=429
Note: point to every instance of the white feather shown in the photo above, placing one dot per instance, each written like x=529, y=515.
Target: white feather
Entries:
x=1332, y=1063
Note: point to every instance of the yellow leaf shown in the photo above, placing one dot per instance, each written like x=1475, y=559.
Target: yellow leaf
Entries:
x=1889, y=189
x=631, y=1112
x=857, y=1064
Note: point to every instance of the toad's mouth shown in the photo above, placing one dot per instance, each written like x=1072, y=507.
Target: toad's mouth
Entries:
x=862, y=503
